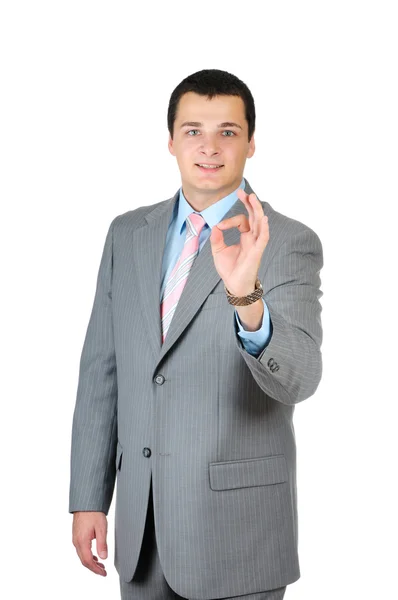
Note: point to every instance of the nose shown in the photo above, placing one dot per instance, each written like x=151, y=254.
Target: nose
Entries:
x=209, y=146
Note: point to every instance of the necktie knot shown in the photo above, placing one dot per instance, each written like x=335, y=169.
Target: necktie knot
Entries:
x=195, y=222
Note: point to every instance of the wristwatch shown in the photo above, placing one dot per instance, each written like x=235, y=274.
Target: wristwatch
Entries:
x=246, y=300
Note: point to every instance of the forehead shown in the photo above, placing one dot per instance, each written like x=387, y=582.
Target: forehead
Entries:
x=194, y=107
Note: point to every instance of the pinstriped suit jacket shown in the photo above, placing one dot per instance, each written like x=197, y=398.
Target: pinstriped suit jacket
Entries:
x=212, y=424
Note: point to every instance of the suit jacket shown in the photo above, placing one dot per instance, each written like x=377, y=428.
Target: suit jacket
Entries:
x=210, y=423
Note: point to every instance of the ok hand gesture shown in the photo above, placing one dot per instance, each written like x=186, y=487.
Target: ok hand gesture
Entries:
x=238, y=265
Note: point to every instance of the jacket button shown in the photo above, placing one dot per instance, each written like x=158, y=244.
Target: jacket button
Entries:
x=159, y=379
x=273, y=365
x=147, y=452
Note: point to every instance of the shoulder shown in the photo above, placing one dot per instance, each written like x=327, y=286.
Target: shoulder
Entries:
x=284, y=229
x=136, y=218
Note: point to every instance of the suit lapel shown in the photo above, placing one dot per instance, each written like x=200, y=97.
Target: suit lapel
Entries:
x=148, y=248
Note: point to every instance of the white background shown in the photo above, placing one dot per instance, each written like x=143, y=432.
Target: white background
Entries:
x=84, y=94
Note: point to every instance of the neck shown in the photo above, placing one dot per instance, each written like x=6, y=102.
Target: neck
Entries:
x=200, y=199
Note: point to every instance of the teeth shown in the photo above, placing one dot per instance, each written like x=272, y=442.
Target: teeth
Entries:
x=211, y=166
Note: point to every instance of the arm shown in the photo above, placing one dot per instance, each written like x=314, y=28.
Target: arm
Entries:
x=94, y=429
x=255, y=340
x=289, y=368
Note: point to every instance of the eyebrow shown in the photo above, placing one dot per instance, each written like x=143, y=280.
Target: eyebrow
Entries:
x=197, y=124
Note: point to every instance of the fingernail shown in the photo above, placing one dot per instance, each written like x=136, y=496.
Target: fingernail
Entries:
x=102, y=554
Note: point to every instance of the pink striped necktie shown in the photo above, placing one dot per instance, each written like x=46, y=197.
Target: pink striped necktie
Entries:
x=179, y=275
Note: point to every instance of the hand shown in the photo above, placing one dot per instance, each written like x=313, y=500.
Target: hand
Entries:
x=238, y=265
x=86, y=527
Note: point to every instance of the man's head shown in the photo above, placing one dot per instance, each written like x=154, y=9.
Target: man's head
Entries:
x=211, y=121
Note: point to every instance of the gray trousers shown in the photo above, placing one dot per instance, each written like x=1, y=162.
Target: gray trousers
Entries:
x=149, y=582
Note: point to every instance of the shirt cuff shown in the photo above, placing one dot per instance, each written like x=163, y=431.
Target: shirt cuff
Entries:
x=255, y=341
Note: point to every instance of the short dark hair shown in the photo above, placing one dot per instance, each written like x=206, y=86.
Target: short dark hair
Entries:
x=212, y=82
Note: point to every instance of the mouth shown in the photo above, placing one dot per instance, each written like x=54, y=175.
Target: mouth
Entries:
x=208, y=168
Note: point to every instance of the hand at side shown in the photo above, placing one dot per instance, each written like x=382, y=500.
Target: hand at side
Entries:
x=86, y=527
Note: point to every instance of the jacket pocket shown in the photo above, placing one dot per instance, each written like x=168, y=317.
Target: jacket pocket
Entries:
x=119, y=452
x=233, y=474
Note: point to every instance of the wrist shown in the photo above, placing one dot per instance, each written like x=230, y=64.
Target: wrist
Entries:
x=244, y=297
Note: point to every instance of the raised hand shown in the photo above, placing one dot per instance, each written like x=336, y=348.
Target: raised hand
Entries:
x=238, y=265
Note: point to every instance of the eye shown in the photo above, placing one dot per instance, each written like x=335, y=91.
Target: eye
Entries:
x=226, y=131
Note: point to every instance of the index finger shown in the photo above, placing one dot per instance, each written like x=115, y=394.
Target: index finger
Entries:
x=239, y=221
x=88, y=560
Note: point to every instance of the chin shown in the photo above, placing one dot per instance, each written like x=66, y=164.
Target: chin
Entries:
x=210, y=185
x=210, y=182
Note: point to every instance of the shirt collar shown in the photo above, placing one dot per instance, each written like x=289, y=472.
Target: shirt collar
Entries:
x=212, y=214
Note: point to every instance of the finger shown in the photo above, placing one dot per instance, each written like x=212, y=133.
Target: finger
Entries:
x=217, y=240
x=263, y=237
x=88, y=561
x=102, y=548
x=98, y=563
x=255, y=210
x=239, y=221
x=245, y=199
x=258, y=213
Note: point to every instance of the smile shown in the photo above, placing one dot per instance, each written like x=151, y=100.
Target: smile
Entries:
x=208, y=168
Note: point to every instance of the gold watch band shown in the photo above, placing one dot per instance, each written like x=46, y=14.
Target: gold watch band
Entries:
x=246, y=300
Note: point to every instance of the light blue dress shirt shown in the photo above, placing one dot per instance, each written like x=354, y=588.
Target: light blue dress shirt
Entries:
x=254, y=341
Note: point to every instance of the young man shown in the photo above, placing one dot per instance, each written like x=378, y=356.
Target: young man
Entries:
x=204, y=334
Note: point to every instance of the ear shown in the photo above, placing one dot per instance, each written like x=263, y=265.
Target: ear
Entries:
x=171, y=146
x=252, y=147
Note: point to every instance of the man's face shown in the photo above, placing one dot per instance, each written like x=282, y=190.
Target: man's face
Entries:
x=211, y=132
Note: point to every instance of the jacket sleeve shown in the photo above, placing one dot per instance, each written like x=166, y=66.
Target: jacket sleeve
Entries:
x=289, y=368
x=94, y=428
x=255, y=341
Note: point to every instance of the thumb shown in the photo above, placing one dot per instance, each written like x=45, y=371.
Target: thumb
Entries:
x=102, y=548
x=217, y=239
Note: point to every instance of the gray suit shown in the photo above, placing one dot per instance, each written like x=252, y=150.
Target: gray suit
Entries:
x=209, y=422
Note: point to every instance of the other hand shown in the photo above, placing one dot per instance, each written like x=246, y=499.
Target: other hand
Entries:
x=86, y=527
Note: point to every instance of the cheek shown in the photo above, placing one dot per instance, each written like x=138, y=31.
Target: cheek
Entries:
x=187, y=149
x=182, y=153
x=239, y=155
x=233, y=152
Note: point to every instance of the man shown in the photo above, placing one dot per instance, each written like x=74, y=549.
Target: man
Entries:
x=196, y=352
